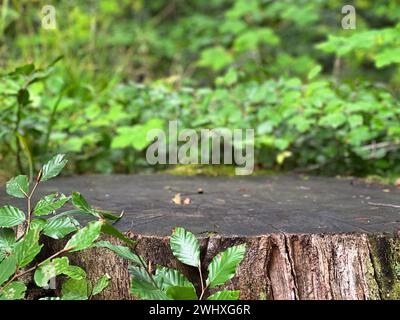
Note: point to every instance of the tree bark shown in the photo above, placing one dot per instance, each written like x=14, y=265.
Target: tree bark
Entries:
x=276, y=266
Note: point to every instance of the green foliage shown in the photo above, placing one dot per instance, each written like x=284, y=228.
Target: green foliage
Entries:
x=85, y=237
x=18, y=186
x=18, y=256
x=123, y=252
x=175, y=284
x=143, y=285
x=81, y=289
x=49, y=204
x=185, y=247
x=14, y=291
x=11, y=216
x=225, y=295
x=7, y=241
x=27, y=248
x=223, y=266
x=51, y=268
x=53, y=167
x=171, y=284
x=286, y=69
x=101, y=284
x=7, y=268
x=75, y=289
x=59, y=227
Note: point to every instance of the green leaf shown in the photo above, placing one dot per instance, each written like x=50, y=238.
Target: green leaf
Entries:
x=25, y=70
x=112, y=231
x=217, y=58
x=73, y=289
x=314, y=72
x=7, y=268
x=123, y=252
x=101, y=284
x=80, y=202
x=23, y=97
x=181, y=287
x=75, y=272
x=11, y=217
x=26, y=151
x=49, y=204
x=57, y=59
x=181, y=293
x=28, y=247
x=333, y=120
x=387, y=57
x=58, y=228
x=85, y=237
x=185, y=247
x=53, y=168
x=223, y=266
x=14, y=291
x=50, y=269
x=135, y=136
x=225, y=295
x=109, y=215
x=171, y=277
x=7, y=241
x=18, y=187
x=55, y=267
x=143, y=287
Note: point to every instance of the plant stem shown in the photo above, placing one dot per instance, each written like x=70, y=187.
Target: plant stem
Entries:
x=18, y=146
x=203, y=288
x=145, y=268
x=51, y=122
x=30, y=205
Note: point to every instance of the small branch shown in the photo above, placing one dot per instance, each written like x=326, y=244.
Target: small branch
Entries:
x=29, y=198
x=380, y=145
x=146, y=269
x=203, y=288
x=18, y=146
x=384, y=205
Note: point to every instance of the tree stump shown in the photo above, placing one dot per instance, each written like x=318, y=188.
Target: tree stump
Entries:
x=306, y=238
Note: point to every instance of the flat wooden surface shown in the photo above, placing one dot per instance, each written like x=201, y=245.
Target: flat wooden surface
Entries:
x=236, y=205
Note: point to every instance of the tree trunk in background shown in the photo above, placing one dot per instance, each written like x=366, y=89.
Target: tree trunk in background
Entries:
x=276, y=266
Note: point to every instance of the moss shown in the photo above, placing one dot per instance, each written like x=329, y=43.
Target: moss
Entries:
x=206, y=170
x=385, y=253
x=213, y=170
x=263, y=296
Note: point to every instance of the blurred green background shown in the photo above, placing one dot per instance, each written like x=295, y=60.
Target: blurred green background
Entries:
x=322, y=99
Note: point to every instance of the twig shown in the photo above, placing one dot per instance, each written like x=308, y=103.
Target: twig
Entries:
x=203, y=288
x=29, y=202
x=384, y=205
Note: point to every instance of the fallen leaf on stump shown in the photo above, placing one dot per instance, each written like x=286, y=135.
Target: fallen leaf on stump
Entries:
x=177, y=199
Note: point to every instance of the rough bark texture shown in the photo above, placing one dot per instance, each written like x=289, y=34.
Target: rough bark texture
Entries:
x=276, y=266
x=307, y=238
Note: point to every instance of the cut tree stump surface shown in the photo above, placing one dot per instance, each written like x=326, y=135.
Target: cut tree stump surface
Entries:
x=246, y=206
x=316, y=238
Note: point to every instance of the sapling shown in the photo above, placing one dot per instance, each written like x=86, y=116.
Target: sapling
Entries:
x=20, y=234
x=171, y=284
